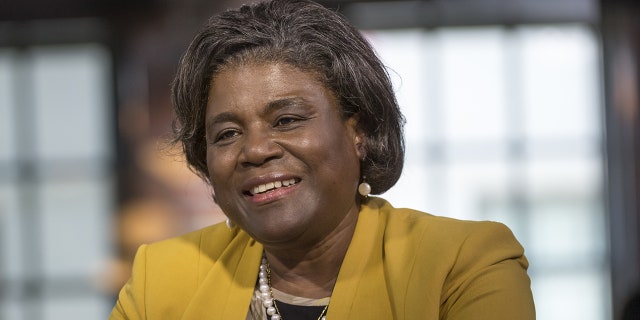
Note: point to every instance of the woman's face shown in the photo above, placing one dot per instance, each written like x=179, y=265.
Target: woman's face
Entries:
x=283, y=163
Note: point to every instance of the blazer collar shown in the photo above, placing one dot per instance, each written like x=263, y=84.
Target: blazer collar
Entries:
x=360, y=291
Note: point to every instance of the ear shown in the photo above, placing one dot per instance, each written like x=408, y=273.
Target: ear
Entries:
x=359, y=137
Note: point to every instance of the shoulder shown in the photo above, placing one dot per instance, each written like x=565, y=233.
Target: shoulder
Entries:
x=455, y=244
x=218, y=233
x=468, y=267
x=440, y=230
x=207, y=243
x=167, y=274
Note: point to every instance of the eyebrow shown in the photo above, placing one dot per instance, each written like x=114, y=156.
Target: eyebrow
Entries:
x=282, y=103
x=219, y=118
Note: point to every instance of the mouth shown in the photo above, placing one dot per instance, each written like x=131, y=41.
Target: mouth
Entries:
x=263, y=188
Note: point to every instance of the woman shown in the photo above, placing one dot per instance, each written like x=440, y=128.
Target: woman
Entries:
x=284, y=109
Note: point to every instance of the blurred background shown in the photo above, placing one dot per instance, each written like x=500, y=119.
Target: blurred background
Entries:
x=519, y=111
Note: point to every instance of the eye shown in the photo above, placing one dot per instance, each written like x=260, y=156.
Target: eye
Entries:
x=226, y=135
x=285, y=121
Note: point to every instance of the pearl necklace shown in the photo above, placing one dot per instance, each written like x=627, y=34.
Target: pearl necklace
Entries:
x=266, y=295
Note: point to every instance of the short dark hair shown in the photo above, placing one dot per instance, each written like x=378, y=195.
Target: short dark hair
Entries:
x=307, y=36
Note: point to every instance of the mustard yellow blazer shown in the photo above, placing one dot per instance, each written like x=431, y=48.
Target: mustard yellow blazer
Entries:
x=401, y=264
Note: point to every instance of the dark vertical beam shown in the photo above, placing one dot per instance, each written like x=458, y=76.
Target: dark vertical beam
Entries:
x=621, y=40
x=31, y=284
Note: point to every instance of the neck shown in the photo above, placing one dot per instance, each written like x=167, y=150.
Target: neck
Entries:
x=311, y=271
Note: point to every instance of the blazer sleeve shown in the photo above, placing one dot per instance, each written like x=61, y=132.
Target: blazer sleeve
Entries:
x=131, y=300
x=489, y=279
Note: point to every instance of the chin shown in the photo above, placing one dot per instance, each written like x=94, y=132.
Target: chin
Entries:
x=280, y=234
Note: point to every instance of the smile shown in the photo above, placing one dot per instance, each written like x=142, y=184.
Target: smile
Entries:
x=272, y=185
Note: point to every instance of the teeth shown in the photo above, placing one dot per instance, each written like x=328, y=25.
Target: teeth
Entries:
x=272, y=185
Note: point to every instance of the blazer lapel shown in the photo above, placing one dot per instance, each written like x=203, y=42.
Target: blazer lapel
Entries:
x=225, y=293
x=361, y=289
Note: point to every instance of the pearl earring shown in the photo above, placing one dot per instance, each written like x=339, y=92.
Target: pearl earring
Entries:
x=364, y=189
x=230, y=224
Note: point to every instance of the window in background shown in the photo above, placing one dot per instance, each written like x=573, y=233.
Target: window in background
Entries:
x=504, y=124
x=55, y=181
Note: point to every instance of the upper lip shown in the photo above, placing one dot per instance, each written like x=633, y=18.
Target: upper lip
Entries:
x=250, y=184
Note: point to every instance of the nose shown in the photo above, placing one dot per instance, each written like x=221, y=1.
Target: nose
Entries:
x=259, y=146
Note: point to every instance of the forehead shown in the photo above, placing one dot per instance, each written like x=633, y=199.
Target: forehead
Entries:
x=262, y=67
x=237, y=84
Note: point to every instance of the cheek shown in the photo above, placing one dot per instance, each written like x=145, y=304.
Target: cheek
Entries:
x=210, y=166
x=218, y=167
x=337, y=148
x=219, y=176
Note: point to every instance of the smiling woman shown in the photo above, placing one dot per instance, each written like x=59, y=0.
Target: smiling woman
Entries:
x=279, y=123
x=285, y=110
